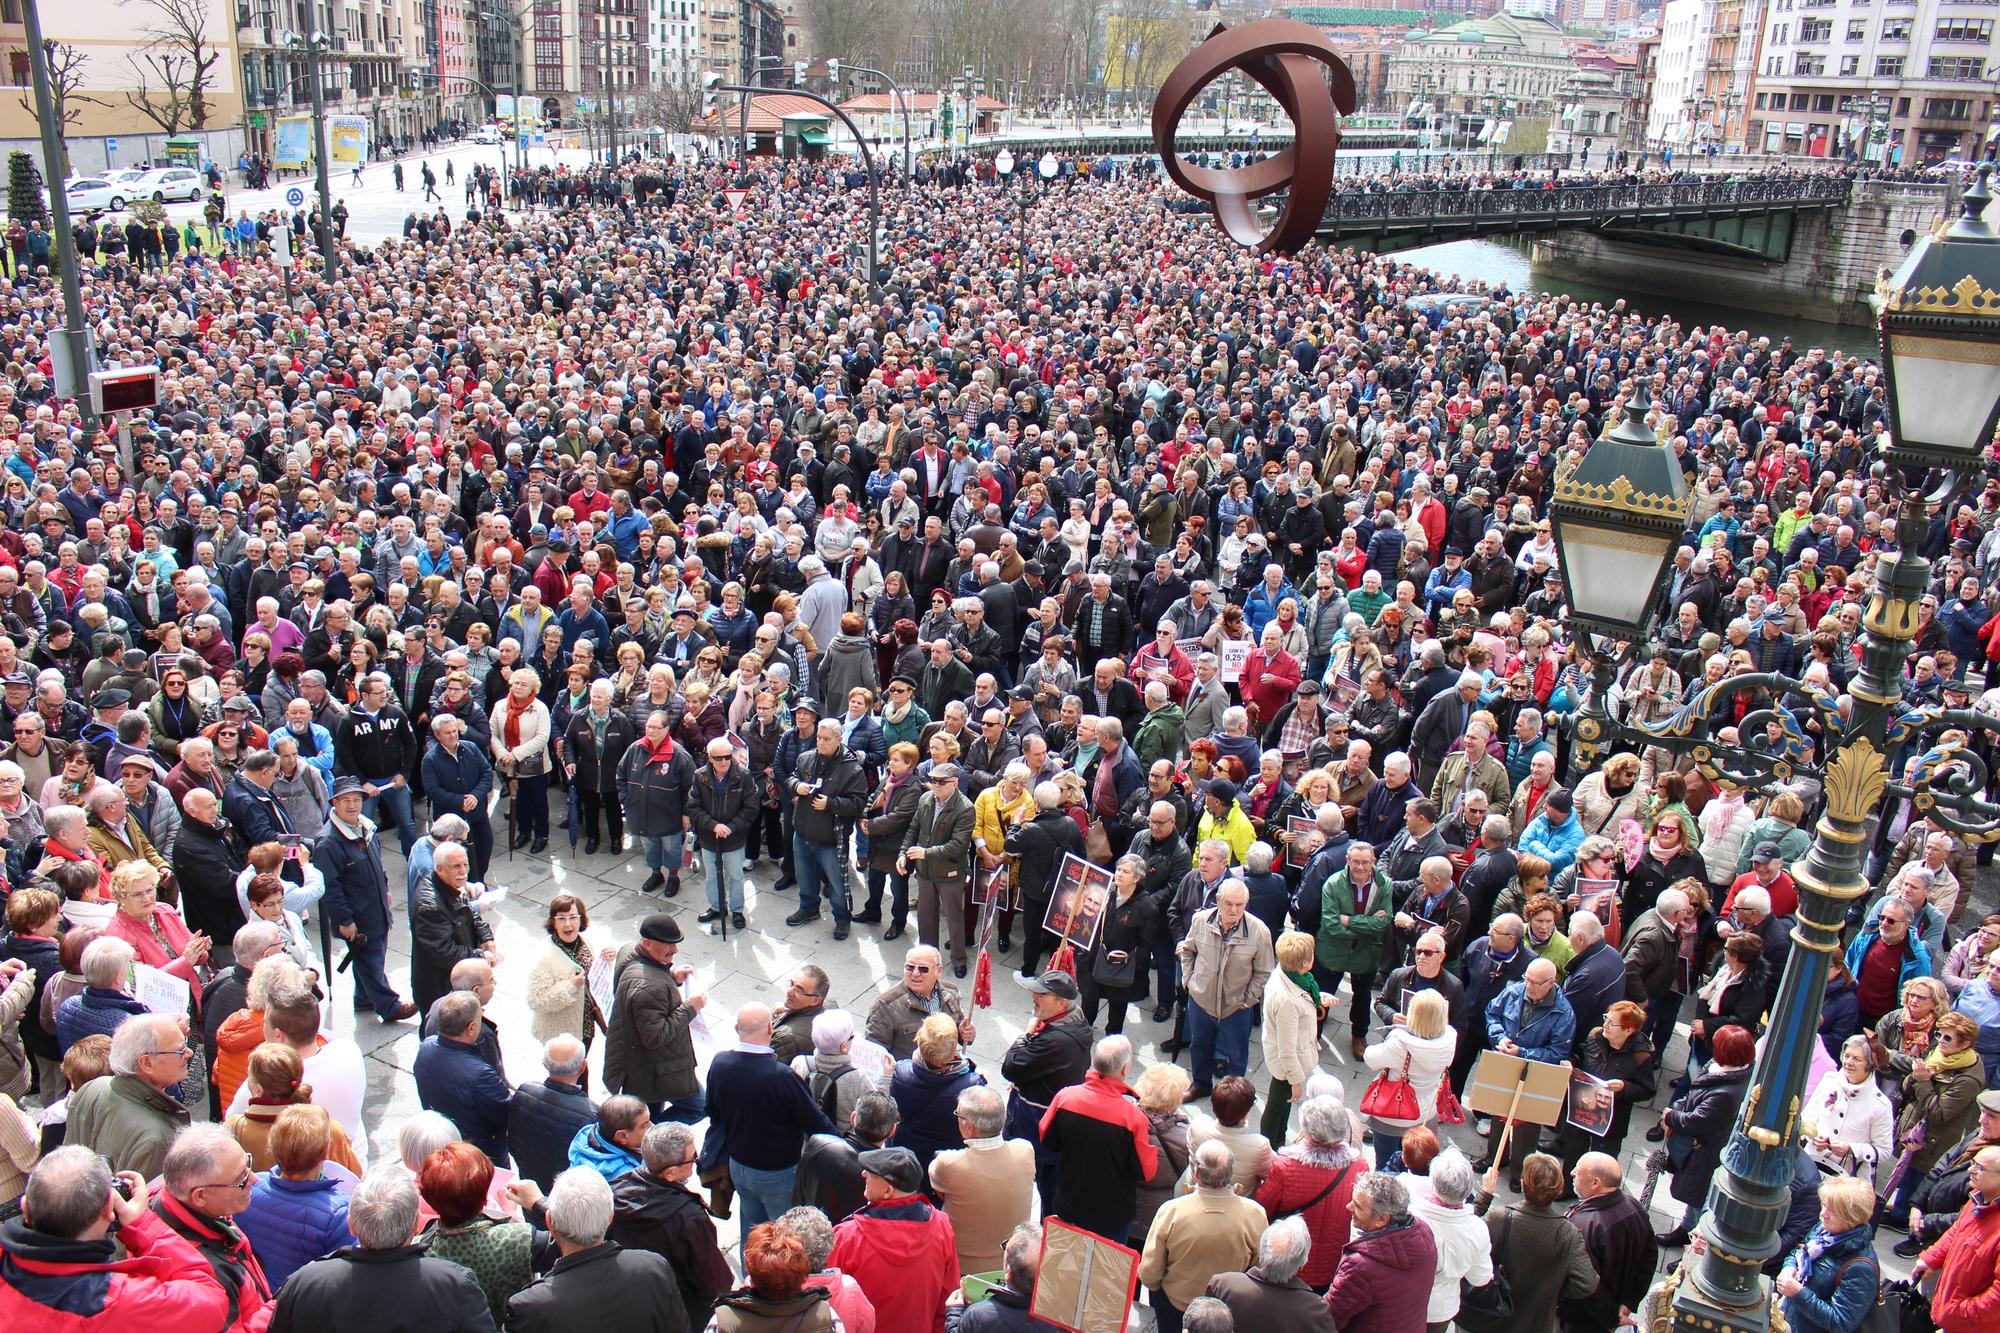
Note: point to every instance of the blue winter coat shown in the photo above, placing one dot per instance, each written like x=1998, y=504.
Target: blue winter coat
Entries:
x=290, y=1223
x=927, y=1102
x=454, y=1080
x=607, y=1159
x=1547, y=1035
x=94, y=1011
x=450, y=778
x=1839, y=1286
x=1916, y=958
x=1555, y=843
x=356, y=886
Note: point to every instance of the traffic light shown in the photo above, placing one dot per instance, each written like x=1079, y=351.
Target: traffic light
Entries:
x=711, y=101
x=833, y=71
x=798, y=73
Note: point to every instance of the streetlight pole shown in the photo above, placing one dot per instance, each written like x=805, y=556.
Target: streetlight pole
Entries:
x=75, y=336
x=901, y=102
x=867, y=166
x=313, y=44
x=1618, y=512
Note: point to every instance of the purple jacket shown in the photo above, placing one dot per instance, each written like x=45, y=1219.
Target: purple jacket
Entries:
x=1383, y=1284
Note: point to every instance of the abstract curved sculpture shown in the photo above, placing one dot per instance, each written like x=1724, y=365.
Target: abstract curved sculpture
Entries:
x=1296, y=64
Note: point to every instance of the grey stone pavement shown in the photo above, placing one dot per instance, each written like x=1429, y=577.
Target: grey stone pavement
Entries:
x=754, y=965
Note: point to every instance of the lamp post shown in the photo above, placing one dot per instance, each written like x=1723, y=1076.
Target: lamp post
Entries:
x=314, y=45
x=77, y=362
x=1617, y=512
x=901, y=102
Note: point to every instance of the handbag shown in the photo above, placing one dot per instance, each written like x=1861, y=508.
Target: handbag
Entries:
x=1114, y=975
x=1097, y=844
x=1494, y=1300
x=1390, y=1098
x=1450, y=1111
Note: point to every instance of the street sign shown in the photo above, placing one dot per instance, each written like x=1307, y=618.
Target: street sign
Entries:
x=295, y=196
x=735, y=198
x=110, y=145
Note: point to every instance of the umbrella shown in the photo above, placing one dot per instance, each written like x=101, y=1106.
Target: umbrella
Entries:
x=575, y=817
x=513, y=815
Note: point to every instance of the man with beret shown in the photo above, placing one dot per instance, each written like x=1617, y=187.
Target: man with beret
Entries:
x=897, y=1245
x=648, y=1050
x=357, y=901
x=106, y=707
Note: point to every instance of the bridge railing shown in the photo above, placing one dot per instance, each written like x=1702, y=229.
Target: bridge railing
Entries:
x=1458, y=206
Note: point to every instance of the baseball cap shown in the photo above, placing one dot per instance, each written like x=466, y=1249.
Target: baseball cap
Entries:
x=1052, y=982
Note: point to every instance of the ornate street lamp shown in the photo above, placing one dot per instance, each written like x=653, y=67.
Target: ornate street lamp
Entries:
x=1619, y=514
x=1941, y=345
x=1940, y=318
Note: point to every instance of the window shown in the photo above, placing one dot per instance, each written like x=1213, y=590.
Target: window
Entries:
x=1808, y=64
x=1799, y=101
x=1888, y=67
x=1823, y=102
x=1962, y=69
x=1965, y=30
x=1781, y=33
x=1947, y=108
x=1902, y=106
x=1857, y=30
x=1760, y=101
x=1895, y=30
x=1815, y=30
x=1850, y=65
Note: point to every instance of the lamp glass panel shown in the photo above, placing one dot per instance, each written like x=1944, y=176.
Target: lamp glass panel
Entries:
x=1612, y=572
x=1945, y=390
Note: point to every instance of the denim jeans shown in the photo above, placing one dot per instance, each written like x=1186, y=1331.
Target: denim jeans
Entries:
x=1209, y=1037
x=397, y=799
x=817, y=864
x=725, y=872
x=764, y=1196
x=371, y=981
x=665, y=854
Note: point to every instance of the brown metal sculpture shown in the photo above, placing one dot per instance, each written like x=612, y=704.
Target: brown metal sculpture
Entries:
x=1296, y=64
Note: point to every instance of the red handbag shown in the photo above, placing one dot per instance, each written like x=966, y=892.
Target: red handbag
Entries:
x=1390, y=1098
x=1450, y=1110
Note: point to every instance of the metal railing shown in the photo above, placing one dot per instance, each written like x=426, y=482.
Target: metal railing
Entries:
x=1458, y=207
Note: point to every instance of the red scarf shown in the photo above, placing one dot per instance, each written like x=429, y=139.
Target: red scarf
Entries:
x=510, y=722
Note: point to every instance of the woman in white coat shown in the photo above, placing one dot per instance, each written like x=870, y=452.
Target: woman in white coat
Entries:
x=1849, y=1122
x=1293, y=1007
x=1417, y=1049
x=1443, y=1202
x=520, y=755
x=559, y=982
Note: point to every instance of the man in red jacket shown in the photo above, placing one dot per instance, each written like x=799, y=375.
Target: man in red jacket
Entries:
x=208, y=1177
x=900, y=1249
x=61, y=1271
x=1967, y=1257
x=1104, y=1140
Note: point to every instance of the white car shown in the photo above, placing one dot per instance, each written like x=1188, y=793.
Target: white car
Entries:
x=164, y=183
x=94, y=194
x=486, y=134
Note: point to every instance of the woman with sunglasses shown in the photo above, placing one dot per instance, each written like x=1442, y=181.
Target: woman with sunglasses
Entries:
x=1940, y=1102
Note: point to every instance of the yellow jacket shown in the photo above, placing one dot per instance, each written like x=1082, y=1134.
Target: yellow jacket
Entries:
x=992, y=815
x=1233, y=828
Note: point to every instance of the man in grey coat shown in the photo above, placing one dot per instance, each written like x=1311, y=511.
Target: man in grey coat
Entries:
x=1206, y=702
x=648, y=1050
x=935, y=853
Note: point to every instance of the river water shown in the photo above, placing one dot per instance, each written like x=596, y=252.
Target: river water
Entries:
x=1511, y=262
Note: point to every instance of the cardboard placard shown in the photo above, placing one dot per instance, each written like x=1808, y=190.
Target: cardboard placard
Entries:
x=1084, y=1282
x=1086, y=885
x=1527, y=1091
x=1305, y=842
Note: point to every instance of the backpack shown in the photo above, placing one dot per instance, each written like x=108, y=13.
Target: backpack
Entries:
x=825, y=1090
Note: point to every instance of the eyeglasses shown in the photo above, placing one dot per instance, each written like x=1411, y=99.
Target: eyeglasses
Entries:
x=181, y=1052
x=241, y=1182
x=1430, y=953
x=917, y=969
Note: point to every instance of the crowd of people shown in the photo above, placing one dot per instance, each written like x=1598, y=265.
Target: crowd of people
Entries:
x=1085, y=540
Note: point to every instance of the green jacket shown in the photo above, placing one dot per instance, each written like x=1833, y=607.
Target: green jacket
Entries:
x=1356, y=946
x=1159, y=736
x=124, y=1118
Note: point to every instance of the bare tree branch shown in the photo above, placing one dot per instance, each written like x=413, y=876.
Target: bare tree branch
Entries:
x=66, y=79
x=181, y=56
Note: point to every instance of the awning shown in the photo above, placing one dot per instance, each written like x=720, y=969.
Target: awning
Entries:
x=813, y=134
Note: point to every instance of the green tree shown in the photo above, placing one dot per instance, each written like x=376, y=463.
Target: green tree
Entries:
x=24, y=190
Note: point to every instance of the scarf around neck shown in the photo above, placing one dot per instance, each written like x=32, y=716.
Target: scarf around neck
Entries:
x=1941, y=1063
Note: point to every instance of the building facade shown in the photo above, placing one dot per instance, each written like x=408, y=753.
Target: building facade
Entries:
x=1680, y=67
x=1906, y=81
x=1482, y=72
